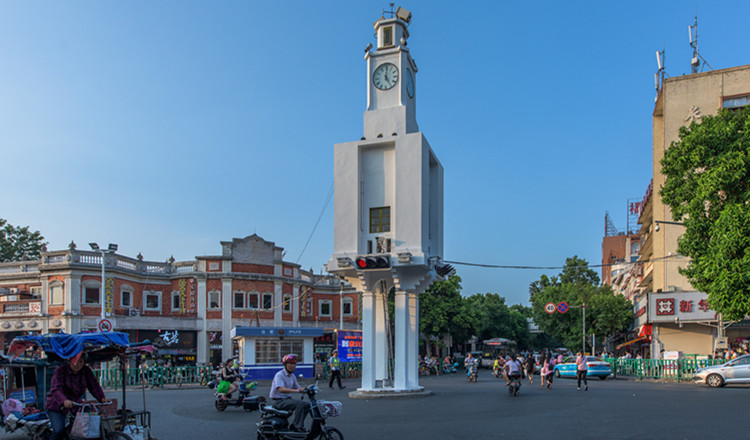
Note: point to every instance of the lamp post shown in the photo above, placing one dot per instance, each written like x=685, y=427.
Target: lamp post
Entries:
x=112, y=248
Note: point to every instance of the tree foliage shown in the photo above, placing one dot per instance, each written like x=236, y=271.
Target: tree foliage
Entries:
x=18, y=243
x=497, y=320
x=442, y=310
x=708, y=188
x=606, y=312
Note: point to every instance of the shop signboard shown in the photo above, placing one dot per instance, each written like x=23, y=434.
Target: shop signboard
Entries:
x=677, y=307
x=350, y=345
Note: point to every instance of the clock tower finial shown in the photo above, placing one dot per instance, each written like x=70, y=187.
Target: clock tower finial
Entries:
x=391, y=91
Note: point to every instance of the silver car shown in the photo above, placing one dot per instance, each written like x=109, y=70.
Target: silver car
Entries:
x=734, y=371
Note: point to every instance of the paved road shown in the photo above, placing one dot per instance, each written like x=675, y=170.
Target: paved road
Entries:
x=612, y=409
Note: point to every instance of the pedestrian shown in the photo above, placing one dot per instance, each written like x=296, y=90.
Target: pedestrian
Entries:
x=530, y=368
x=543, y=373
x=335, y=365
x=550, y=364
x=581, y=370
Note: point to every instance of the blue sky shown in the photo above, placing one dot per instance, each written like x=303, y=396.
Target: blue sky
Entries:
x=169, y=126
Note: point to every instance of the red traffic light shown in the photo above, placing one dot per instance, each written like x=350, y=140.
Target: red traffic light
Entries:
x=361, y=263
x=373, y=262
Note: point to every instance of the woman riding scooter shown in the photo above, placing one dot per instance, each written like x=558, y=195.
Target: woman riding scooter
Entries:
x=232, y=375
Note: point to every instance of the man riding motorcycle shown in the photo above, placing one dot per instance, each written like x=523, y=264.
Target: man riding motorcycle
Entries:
x=468, y=363
x=284, y=383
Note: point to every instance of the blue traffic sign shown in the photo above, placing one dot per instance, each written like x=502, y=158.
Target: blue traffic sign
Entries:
x=562, y=307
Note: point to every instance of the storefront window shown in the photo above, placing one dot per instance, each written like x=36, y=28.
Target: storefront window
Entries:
x=271, y=351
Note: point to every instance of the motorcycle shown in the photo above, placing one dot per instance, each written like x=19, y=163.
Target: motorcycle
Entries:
x=244, y=399
x=473, y=372
x=515, y=384
x=274, y=423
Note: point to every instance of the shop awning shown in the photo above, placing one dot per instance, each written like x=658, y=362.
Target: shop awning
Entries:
x=640, y=338
x=646, y=330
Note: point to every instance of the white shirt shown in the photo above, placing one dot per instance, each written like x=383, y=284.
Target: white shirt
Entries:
x=283, y=379
x=514, y=367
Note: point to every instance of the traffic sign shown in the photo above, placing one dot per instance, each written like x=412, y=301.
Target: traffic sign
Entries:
x=105, y=325
x=562, y=307
x=549, y=308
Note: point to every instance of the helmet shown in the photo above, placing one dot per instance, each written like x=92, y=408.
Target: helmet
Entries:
x=290, y=358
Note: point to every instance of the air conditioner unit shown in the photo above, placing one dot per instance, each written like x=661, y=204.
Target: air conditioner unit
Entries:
x=134, y=312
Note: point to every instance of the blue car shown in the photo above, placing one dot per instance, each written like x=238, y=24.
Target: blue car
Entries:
x=597, y=367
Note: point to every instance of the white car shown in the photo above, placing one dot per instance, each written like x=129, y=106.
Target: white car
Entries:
x=734, y=371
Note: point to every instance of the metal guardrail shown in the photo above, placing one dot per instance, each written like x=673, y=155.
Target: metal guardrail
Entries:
x=154, y=376
x=160, y=376
x=677, y=369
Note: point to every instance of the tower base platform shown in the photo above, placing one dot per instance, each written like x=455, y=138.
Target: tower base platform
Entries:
x=389, y=393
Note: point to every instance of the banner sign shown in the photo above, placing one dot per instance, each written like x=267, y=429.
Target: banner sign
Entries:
x=350, y=345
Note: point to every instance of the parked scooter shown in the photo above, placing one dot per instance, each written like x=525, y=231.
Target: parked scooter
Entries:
x=243, y=399
x=447, y=368
x=274, y=423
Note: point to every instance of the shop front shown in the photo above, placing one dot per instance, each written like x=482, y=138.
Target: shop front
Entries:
x=261, y=349
x=175, y=347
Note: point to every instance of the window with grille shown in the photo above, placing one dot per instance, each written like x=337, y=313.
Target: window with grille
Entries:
x=126, y=298
x=239, y=300
x=271, y=351
x=214, y=300
x=252, y=301
x=380, y=219
x=267, y=301
x=91, y=295
x=287, y=303
x=347, y=305
x=325, y=308
x=153, y=301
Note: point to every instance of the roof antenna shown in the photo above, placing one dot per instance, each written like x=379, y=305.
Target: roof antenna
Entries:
x=659, y=75
x=695, y=62
x=390, y=12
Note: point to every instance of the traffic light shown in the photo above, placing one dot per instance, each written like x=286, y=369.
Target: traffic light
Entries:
x=373, y=262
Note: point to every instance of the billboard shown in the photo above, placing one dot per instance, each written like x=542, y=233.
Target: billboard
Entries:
x=349, y=345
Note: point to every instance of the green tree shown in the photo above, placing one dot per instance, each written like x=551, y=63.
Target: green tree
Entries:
x=606, y=312
x=497, y=320
x=442, y=310
x=708, y=188
x=19, y=243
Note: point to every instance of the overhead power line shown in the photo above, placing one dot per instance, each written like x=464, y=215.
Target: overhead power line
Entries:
x=501, y=266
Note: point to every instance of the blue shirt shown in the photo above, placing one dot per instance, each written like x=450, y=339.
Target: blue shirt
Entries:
x=283, y=379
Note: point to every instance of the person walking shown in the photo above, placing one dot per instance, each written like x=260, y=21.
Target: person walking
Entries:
x=544, y=372
x=581, y=370
x=335, y=365
x=549, y=365
x=530, y=368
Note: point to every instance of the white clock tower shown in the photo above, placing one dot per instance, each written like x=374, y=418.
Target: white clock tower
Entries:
x=389, y=213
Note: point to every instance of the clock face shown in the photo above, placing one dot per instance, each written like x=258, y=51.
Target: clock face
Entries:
x=385, y=76
x=409, y=83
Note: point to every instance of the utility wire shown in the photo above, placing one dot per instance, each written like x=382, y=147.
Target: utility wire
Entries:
x=325, y=205
x=500, y=266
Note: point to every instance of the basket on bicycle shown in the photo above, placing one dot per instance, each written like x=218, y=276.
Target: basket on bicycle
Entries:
x=330, y=408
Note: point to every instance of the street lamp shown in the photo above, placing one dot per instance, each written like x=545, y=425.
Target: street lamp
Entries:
x=112, y=248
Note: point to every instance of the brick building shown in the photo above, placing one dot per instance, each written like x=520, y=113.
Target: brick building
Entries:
x=187, y=308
